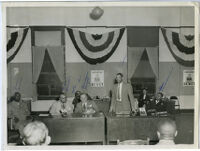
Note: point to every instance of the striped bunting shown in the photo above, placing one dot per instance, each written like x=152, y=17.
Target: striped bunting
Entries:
x=181, y=47
x=15, y=42
x=95, y=48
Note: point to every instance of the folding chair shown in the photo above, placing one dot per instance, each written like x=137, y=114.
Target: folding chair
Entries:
x=177, y=104
x=134, y=142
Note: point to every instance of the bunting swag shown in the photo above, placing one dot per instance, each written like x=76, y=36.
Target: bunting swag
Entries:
x=15, y=42
x=181, y=47
x=95, y=48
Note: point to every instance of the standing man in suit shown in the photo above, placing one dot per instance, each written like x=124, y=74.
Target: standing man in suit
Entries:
x=123, y=101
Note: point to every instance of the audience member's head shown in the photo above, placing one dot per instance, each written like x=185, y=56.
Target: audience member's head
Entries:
x=36, y=133
x=166, y=129
x=119, y=77
x=62, y=98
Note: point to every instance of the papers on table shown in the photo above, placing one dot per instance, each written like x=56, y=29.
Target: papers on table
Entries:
x=123, y=114
x=44, y=115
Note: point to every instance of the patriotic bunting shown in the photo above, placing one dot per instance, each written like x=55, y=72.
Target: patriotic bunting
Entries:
x=181, y=47
x=15, y=42
x=94, y=48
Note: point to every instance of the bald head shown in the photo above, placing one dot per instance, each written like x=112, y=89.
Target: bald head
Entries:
x=167, y=129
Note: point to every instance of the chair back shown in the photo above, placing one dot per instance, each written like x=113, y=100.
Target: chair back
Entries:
x=176, y=102
x=175, y=99
x=134, y=142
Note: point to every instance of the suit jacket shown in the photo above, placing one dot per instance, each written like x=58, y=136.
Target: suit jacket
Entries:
x=91, y=104
x=19, y=110
x=56, y=107
x=142, y=101
x=127, y=103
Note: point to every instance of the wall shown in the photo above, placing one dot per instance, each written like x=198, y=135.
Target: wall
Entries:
x=168, y=64
x=125, y=17
x=79, y=16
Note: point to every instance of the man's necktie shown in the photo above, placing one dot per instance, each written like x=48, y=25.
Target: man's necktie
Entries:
x=144, y=96
x=118, y=92
x=63, y=106
x=85, y=106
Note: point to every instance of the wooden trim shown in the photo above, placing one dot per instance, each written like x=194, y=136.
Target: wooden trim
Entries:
x=64, y=50
x=47, y=28
x=186, y=110
x=12, y=26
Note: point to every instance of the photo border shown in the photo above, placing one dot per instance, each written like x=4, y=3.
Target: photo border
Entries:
x=195, y=5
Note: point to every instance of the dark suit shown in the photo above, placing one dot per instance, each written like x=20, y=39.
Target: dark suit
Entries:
x=127, y=103
x=143, y=101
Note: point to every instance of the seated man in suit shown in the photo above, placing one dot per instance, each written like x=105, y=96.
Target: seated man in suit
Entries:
x=143, y=98
x=18, y=112
x=166, y=132
x=86, y=106
x=36, y=133
x=160, y=102
x=76, y=99
x=122, y=101
x=62, y=106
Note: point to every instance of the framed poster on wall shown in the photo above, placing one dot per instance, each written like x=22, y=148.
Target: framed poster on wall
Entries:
x=188, y=78
x=97, y=78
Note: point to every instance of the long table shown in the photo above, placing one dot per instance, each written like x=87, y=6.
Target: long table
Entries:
x=75, y=128
x=107, y=129
x=130, y=128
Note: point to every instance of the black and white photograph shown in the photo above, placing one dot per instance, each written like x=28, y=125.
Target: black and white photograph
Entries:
x=100, y=74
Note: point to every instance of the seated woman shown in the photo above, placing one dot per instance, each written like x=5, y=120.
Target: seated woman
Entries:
x=86, y=106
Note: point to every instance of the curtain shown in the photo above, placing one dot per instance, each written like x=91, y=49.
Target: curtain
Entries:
x=38, y=58
x=57, y=58
x=134, y=57
x=152, y=53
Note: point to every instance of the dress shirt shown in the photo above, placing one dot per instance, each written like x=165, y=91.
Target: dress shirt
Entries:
x=119, y=90
x=58, y=107
x=166, y=142
x=144, y=96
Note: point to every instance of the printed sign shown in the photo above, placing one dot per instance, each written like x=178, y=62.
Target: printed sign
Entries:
x=142, y=111
x=188, y=77
x=97, y=78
